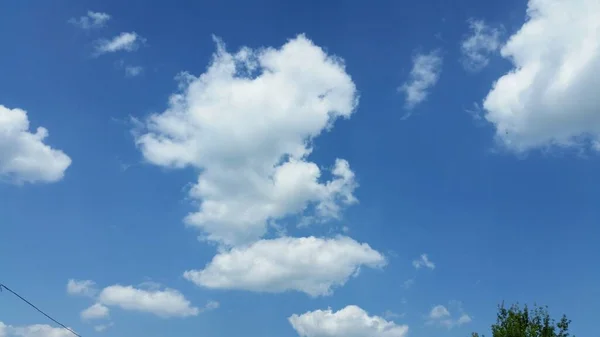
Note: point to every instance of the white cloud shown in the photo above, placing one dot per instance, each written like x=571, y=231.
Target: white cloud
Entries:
x=24, y=157
x=149, y=285
x=247, y=125
x=481, y=42
x=132, y=71
x=388, y=314
x=148, y=297
x=122, y=42
x=425, y=73
x=35, y=330
x=440, y=315
x=463, y=319
x=475, y=111
x=423, y=261
x=351, y=321
x=163, y=303
x=211, y=305
x=439, y=311
x=96, y=311
x=311, y=265
x=408, y=283
x=550, y=97
x=103, y=327
x=81, y=287
x=91, y=20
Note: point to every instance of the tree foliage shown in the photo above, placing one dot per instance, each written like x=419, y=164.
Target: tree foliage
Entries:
x=517, y=322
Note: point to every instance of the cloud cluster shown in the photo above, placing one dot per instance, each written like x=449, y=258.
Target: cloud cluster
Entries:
x=125, y=41
x=24, y=157
x=550, y=96
x=247, y=125
x=351, y=321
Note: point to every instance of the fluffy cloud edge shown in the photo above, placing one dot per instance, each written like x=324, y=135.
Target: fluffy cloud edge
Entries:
x=149, y=298
x=311, y=265
x=81, y=287
x=96, y=311
x=351, y=321
x=163, y=303
x=548, y=100
x=24, y=157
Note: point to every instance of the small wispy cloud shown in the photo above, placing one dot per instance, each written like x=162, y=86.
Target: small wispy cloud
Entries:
x=103, y=327
x=425, y=73
x=482, y=41
x=82, y=288
x=130, y=70
x=440, y=315
x=438, y=312
x=91, y=20
x=423, y=261
x=133, y=71
x=127, y=41
x=211, y=305
x=475, y=111
x=388, y=314
x=96, y=311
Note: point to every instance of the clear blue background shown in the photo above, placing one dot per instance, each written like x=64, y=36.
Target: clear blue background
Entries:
x=497, y=226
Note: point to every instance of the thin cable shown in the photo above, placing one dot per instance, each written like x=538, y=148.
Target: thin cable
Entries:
x=36, y=308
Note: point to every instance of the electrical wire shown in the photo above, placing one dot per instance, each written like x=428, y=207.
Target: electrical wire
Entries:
x=2, y=286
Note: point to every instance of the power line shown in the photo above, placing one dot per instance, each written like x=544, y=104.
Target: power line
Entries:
x=2, y=286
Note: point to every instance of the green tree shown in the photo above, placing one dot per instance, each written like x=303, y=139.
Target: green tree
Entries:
x=517, y=322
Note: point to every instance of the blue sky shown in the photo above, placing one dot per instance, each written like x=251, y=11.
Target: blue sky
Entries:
x=466, y=131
